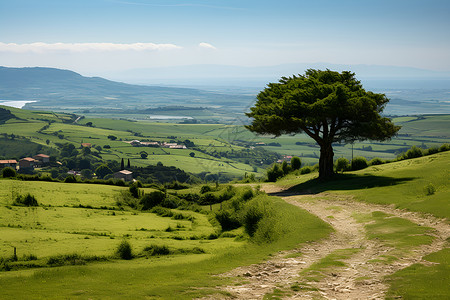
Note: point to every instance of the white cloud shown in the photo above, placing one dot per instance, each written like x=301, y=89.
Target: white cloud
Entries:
x=207, y=46
x=84, y=47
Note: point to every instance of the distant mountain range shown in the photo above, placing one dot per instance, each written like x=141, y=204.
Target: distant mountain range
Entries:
x=56, y=89
x=64, y=90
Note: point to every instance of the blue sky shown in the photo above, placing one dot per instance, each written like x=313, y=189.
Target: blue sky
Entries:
x=95, y=36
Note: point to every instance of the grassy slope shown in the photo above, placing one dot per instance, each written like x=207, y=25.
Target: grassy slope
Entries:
x=62, y=229
x=402, y=184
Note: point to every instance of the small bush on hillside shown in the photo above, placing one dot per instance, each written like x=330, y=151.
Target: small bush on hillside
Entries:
x=432, y=150
x=162, y=211
x=124, y=250
x=27, y=200
x=152, y=199
x=8, y=172
x=227, y=220
x=359, y=163
x=414, y=152
x=376, y=161
x=205, y=189
x=274, y=173
x=285, y=167
x=342, y=164
x=134, y=190
x=296, y=163
x=444, y=147
x=430, y=189
x=156, y=250
x=70, y=179
x=305, y=170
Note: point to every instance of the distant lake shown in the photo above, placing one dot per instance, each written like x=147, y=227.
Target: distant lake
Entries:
x=13, y=103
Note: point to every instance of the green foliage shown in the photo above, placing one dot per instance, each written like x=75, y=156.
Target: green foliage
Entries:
x=296, y=163
x=102, y=171
x=305, y=170
x=124, y=250
x=430, y=189
x=413, y=153
x=27, y=200
x=227, y=219
x=156, y=250
x=134, y=190
x=376, y=161
x=342, y=164
x=8, y=172
x=359, y=163
x=155, y=198
x=274, y=173
x=328, y=106
x=205, y=189
x=444, y=147
x=70, y=179
x=285, y=167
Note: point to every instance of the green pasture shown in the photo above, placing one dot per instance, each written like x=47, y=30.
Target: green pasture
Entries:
x=61, y=228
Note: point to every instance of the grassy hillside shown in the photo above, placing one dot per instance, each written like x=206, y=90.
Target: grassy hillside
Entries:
x=61, y=228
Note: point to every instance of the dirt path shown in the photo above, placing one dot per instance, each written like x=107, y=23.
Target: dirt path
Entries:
x=360, y=279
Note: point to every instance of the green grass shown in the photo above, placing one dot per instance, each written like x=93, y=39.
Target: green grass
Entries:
x=330, y=262
x=395, y=232
x=61, y=229
x=423, y=282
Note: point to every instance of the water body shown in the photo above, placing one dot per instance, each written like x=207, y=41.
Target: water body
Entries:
x=14, y=103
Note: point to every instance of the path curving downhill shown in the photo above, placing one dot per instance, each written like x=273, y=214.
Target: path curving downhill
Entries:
x=361, y=278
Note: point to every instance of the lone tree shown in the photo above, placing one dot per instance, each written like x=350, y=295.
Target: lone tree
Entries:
x=328, y=106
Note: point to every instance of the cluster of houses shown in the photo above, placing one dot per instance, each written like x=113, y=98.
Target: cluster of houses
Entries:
x=26, y=163
x=137, y=143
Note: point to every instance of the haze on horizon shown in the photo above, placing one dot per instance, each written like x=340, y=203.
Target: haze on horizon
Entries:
x=101, y=37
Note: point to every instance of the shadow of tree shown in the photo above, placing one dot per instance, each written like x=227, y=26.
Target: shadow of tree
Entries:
x=342, y=182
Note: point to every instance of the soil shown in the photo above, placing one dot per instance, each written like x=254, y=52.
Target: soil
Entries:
x=361, y=278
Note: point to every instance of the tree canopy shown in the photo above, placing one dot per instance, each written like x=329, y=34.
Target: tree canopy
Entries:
x=328, y=106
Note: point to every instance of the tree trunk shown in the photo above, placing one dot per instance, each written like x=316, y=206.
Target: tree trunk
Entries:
x=326, y=167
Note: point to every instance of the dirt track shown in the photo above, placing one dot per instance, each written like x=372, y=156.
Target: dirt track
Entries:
x=360, y=279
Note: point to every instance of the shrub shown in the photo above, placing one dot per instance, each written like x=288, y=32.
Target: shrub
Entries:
x=70, y=179
x=253, y=213
x=152, y=199
x=156, y=250
x=296, y=163
x=342, y=164
x=359, y=163
x=444, y=147
x=8, y=172
x=413, y=153
x=27, y=200
x=205, y=189
x=285, y=167
x=274, y=173
x=162, y=211
x=305, y=170
x=134, y=190
x=432, y=150
x=430, y=189
x=376, y=161
x=227, y=220
x=124, y=250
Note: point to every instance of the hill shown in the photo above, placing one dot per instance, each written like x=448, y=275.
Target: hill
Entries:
x=63, y=90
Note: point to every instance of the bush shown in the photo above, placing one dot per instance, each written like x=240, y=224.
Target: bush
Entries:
x=124, y=250
x=152, y=199
x=8, y=172
x=376, y=161
x=359, y=163
x=155, y=250
x=430, y=189
x=227, y=220
x=444, y=147
x=414, y=152
x=27, y=200
x=70, y=179
x=274, y=173
x=205, y=189
x=342, y=164
x=285, y=167
x=296, y=163
x=432, y=150
x=305, y=170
